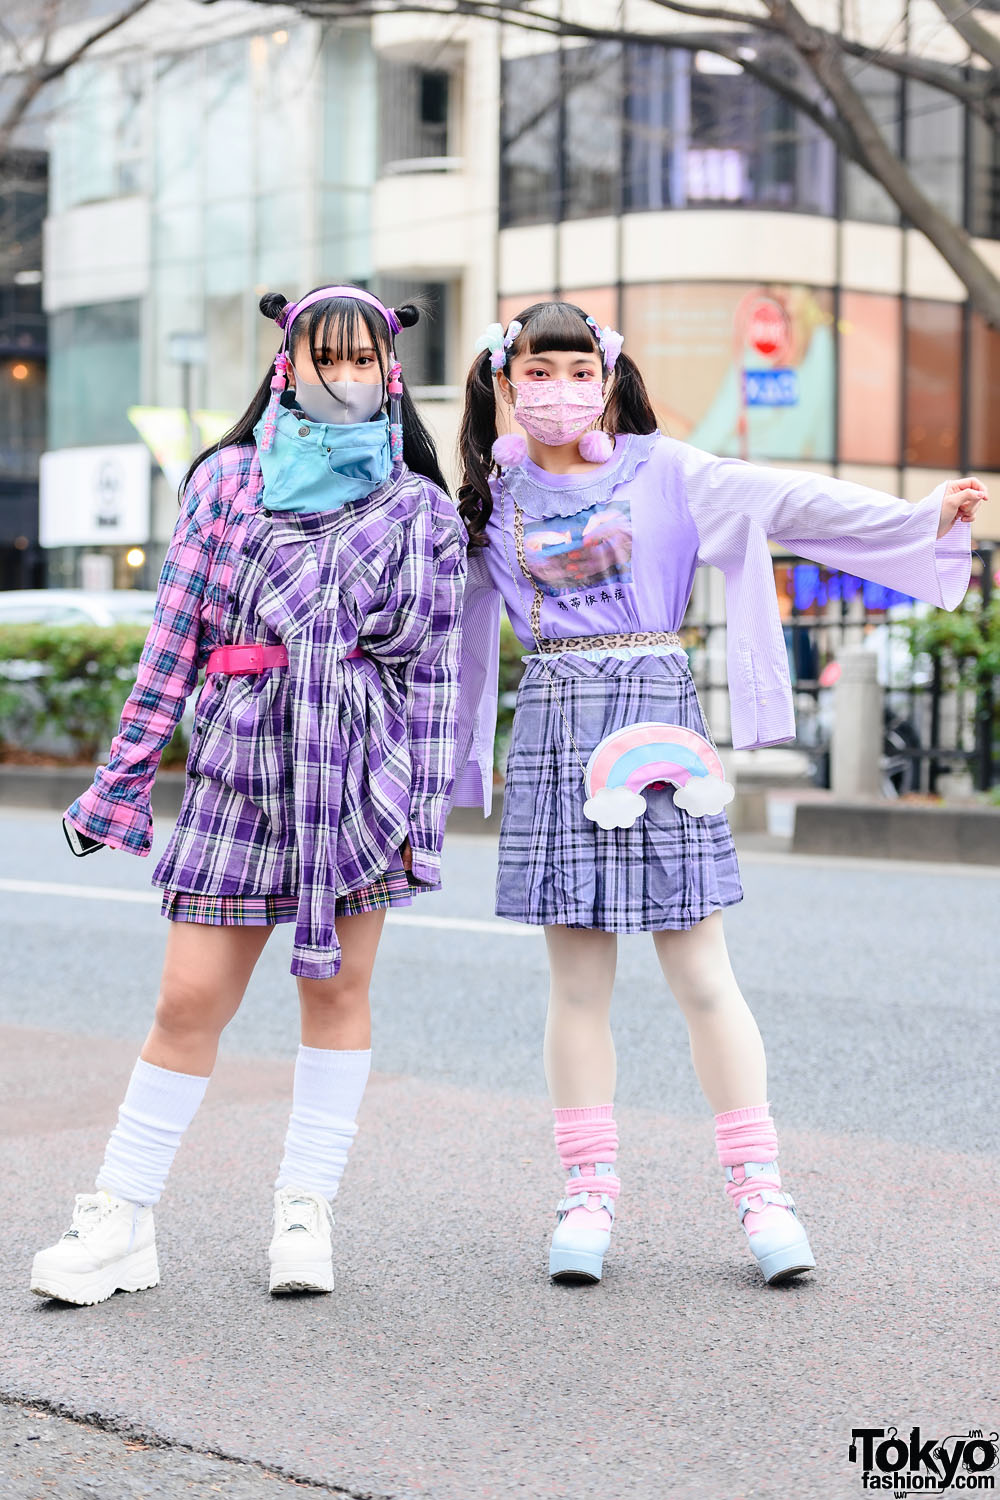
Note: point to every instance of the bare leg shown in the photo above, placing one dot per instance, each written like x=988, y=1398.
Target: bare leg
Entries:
x=580, y=1063
x=336, y=1013
x=726, y=1046
x=205, y=975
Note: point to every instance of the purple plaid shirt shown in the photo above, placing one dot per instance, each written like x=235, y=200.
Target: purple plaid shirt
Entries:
x=302, y=781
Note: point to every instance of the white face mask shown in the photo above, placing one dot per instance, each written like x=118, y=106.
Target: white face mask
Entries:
x=340, y=402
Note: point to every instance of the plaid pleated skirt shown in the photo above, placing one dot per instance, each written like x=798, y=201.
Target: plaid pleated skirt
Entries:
x=391, y=889
x=669, y=870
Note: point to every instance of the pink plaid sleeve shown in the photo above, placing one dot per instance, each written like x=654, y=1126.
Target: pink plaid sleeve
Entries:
x=115, y=810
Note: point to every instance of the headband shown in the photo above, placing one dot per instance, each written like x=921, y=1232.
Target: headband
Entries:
x=290, y=311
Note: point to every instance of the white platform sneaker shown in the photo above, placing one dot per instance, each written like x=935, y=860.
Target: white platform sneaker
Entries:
x=109, y=1247
x=301, y=1252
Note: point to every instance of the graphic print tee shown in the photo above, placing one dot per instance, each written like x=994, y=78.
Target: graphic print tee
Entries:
x=611, y=551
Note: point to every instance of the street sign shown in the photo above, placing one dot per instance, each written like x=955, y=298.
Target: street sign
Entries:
x=767, y=328
x=770, y=387
x=90, y=496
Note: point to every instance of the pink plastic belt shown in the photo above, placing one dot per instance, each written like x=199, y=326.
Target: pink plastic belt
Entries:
x=244, y=661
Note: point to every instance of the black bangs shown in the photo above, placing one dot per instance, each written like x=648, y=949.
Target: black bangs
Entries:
x=341, y=326
x=554, y=325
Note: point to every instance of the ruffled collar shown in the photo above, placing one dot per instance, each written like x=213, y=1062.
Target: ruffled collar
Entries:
x=541, y=494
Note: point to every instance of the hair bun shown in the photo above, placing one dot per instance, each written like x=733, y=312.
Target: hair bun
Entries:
x=407, y=314
x=273, y=304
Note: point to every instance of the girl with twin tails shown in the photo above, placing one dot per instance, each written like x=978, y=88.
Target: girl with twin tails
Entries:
x=589, y=530
x=316, y=574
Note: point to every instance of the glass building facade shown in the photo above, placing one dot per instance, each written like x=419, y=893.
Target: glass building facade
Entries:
x=891, y=380
x=241, y=167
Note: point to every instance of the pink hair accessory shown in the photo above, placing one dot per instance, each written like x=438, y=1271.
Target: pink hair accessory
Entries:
x=279, y=381
x=509, y=449
x=596, y=447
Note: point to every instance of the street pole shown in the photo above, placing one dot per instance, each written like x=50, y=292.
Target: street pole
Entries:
x=985, y=699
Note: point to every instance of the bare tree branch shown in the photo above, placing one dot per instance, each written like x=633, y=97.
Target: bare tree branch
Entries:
x=874, y=153
x=42, y=73
x=972, y=31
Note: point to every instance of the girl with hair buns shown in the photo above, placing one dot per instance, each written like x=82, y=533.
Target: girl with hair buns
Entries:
x=589, y=529
x=316, y=574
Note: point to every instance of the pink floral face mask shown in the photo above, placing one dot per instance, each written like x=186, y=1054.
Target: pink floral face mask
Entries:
x=557, y=411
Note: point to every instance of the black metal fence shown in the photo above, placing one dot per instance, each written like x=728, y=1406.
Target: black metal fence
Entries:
x=935, y=722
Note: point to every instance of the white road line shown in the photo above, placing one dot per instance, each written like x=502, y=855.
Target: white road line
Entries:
x=79, y=892
x=396, y=918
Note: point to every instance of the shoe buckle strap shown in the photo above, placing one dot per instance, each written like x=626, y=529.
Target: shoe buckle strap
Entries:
x=766, y=1196
x=582, y=1200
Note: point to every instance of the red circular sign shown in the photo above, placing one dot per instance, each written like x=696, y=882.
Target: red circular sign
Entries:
x=767, y=328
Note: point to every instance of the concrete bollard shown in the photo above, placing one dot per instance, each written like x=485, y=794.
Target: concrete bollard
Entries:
x=856, y=747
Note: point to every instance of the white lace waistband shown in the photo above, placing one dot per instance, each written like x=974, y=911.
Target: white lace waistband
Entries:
x=621, y=653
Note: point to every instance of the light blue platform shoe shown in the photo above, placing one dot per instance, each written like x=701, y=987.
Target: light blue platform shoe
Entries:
x=577, y=1253
x=780, y=1248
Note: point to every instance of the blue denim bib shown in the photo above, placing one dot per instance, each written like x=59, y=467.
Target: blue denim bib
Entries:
x=316, y=466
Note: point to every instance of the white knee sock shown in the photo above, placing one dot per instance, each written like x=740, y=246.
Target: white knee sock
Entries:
x=157, y=1109
x=329, y=1087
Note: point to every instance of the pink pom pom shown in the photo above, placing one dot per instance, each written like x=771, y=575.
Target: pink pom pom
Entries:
x=596, y=447
x=509, y=449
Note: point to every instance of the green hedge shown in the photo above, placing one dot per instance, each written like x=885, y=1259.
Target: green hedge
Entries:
x=965, y=641
x=88, y=672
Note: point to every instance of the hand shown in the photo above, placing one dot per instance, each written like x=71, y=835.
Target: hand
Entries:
x=962, y=499
x=406, y=855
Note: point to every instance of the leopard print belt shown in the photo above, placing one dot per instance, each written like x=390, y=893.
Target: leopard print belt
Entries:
x=550, y=645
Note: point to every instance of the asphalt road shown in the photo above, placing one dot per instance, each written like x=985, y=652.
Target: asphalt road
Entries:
x=445, y=1365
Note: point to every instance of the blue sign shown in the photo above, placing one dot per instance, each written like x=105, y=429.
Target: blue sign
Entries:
x=771, y=387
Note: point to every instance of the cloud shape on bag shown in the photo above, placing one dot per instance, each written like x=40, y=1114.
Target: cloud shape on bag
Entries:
x=614, y=807
x=704, y=795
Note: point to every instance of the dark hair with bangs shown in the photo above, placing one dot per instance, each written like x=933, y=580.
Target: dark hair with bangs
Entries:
x=337, y=324
x=544, y=325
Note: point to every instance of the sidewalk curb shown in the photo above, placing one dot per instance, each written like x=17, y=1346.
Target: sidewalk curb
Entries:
x=887, y=830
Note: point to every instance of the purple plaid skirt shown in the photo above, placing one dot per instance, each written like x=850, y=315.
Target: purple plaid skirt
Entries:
x=669, y=870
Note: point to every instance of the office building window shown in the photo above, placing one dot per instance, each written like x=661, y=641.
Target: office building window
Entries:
x=22, y=415
x=657, y=128
x=656, y=99
x=984, y=208
x=933, y=383
x=425, y=350
x=529, y=139
x=98, y=135
x=93, y=374
x=593, y=82
x=414, y=112
x=177, y=137
x=984, y=396
x=935, y=145
x=864, y=198
x=870, y=335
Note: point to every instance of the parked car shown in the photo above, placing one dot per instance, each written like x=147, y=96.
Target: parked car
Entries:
x=77, y=607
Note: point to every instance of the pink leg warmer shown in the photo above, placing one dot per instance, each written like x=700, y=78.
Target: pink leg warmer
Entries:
x=748, y=1135
x=585, y=1137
